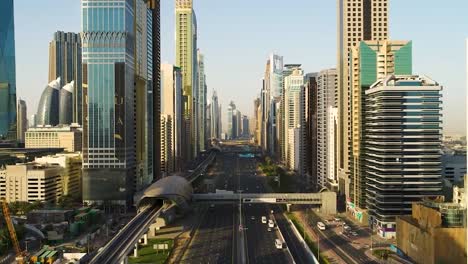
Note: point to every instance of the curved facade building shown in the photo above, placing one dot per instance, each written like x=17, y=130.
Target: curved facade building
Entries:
x=48, y=109
x=66, y=104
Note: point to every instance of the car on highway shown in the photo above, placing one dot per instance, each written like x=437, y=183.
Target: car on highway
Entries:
x=354, y=233
x=271, y=223
x=269, y=229
x=337, y=219
x=252, y=217
x=346, y=227
x=278, y=244
x=264, y=219
x=321, y=226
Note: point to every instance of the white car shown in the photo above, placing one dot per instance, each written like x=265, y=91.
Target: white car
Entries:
x=271, y=223
x=321, y=226
x=264, y=220
x=278, y=244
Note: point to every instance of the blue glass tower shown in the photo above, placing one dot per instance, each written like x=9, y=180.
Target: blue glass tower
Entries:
x=7, y=71
x=117, y=61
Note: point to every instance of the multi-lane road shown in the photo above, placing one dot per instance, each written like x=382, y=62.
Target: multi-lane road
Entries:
x=218, y=238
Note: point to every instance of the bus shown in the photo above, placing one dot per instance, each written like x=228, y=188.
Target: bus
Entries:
x=321, y=226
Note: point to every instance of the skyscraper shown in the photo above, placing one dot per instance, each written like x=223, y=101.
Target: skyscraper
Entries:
x=65, y=62
x=370, y=61
x=118, y=73
x=238, y=124
x=258, y=120
x=7, y=71
x=327, y=111
x=294, y=117
x=312, y=180
x=402, y=146
x=48, y=108
x=215, y=116
x=245, y=127
x=66, y=103
x=186, y=59
x=357, y=20
x=172, y=114
x=231, y=121
x=22, y=120
x=201, y=100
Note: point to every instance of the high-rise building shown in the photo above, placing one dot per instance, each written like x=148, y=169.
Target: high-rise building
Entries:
x=357, y=20
x=172, y=114
x=283, y=145
x=264, y=110
x=121, y=110
x=273, y=83
x=66, y=104
x=7, y=71
x=33, y=120
x=294, y=117
x=231, y=121
x=312, y=180
x=238, y=124
x=65, y=62
x=245, y=127
x=167, y=153
x=186, y=59
x=402, y=146
x=215, y=116
x=370, y=61
x=22, y=120
x=202, y=87
x=48, y=108
x=327, y=115
x=258, y=120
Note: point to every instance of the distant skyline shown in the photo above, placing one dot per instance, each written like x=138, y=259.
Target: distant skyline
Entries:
x=237, y=37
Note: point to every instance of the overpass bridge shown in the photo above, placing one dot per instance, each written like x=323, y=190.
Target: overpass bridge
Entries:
x=326, y=200
x=177, y=191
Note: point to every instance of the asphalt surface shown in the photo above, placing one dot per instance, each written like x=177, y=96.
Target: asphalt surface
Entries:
x=216, y=240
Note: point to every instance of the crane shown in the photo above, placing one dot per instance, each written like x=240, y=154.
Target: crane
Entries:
x=11, y=229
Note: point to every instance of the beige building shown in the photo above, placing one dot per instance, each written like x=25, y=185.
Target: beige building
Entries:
x=67, y=137
x=71, y=171
x=357, y=20
x=167, y=159
x=433, y=234
x=31, y=182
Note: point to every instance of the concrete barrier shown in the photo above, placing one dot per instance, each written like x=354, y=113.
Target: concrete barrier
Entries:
x=298, y=235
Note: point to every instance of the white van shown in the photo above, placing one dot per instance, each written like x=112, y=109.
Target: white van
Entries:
x=264, y=220
x=278, y=244
x=321, y=226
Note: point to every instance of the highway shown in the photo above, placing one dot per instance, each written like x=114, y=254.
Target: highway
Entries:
x=217, y=238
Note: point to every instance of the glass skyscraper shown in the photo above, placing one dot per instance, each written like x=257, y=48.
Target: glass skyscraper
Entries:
x=7, y=71
x=65, y=62
x=117, y=39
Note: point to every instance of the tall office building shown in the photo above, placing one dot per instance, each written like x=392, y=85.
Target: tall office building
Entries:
x=357, y=20
x=7, y=71
x=370, y=61
x=231, y=121
x=327, y=111
x=402, y=146
x=202, y=87
x=282, y=122
x=215, y=116
x=121, y=91
x=294, y=117
x=65, y=62
x=186, y=59
x=66, y=103
x=167, y=153
x=312, y=180
x=172, y=114
x=33, y=120
x=48, y=108
x=22, y=120
x=273, y=82
x=238, y=124
x=258, y=120
x=245, y=127
x=264, y=110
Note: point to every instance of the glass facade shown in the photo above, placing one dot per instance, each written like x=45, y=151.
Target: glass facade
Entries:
x=402, y=147
x=7, y=71
x=109, y=154
x=48, y=108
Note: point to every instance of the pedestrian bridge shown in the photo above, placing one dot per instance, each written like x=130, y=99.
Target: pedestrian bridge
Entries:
x=326, y=200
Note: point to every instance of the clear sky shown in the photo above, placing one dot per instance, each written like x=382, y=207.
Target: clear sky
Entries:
x=237, y=36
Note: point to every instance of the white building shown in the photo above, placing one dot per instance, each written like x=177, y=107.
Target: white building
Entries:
x=67, y=137
x=31, y=182
x=327, y=118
